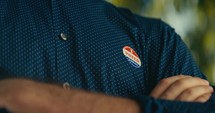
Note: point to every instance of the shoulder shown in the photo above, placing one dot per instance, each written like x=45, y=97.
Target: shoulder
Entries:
x=150, y=27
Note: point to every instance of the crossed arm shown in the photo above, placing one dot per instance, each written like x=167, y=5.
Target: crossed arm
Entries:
x=25, y=96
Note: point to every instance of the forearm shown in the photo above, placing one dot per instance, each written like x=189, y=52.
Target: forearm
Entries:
x=88, y=102
x=108, y=104
x=25, y=96
x=80, y=101
x=100, y=103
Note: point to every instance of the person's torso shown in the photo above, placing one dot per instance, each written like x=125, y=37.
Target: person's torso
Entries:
x=88, y=44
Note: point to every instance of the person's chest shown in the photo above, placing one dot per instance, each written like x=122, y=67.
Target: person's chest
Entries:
x=61, y=42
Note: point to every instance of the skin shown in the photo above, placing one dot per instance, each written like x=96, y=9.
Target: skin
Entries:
x=26, y=96
x=183, y=88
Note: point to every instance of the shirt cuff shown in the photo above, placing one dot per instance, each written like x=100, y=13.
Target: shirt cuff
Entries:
x=151, y=105
x=3, y=111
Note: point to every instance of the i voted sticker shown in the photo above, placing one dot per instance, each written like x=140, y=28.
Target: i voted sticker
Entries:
x=132, y=56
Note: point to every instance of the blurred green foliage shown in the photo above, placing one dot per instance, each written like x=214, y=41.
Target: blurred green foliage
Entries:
x=194, y=20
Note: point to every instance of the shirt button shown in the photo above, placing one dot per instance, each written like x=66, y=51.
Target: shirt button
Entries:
x=66, y=85
x=63, y=36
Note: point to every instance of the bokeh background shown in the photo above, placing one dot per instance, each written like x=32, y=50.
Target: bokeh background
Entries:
x=193, y=20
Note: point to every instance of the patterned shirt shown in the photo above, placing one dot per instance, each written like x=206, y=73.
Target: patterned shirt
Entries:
x=92, y=45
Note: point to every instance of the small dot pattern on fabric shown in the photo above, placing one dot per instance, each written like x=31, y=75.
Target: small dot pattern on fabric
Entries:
x=91, y=57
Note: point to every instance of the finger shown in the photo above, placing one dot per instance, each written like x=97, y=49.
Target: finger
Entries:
x=164, y=84
x=181, y=85
x=203, y=98
x=193, y=93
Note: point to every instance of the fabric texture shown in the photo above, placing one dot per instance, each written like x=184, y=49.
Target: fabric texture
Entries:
x=93, y=45
x=3, y=111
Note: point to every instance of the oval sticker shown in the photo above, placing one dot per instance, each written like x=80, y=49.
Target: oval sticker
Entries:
x=132, y=56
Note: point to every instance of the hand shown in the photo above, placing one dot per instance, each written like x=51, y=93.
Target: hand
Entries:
x=183, y=88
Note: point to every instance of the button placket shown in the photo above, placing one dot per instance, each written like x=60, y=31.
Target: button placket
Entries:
x=63, y=36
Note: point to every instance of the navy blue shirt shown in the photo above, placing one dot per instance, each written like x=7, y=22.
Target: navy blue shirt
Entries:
x=93, y=45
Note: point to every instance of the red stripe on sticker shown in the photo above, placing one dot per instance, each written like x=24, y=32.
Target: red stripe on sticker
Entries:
x=132, y=56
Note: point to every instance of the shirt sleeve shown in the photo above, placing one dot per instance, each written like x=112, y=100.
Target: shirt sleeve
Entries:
x=151, y=105
x=3, y=111
x=167, y=55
